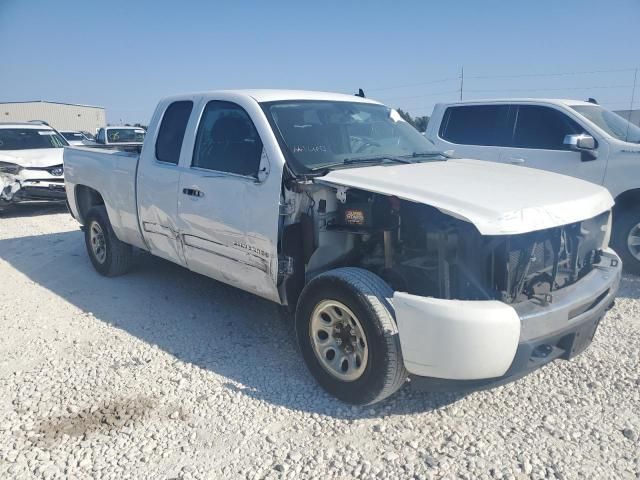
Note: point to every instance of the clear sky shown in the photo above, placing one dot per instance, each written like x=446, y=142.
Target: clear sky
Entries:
x=125, y=55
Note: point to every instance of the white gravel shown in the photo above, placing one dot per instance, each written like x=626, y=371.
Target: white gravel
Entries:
x=166, y=374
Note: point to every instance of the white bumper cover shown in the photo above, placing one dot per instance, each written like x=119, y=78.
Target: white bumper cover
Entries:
x=456, y=339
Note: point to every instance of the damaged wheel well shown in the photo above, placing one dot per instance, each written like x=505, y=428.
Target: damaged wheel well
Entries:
x=86, y=198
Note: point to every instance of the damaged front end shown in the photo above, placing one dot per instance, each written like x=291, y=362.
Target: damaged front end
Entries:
x=18, y=183
x=9, y=181
x=419, y=250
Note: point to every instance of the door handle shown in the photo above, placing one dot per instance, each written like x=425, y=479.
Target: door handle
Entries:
x=193, y=192
x=516, y=160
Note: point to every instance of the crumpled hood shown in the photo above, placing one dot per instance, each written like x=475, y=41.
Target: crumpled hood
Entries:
x=498, y=199
x=37, y=157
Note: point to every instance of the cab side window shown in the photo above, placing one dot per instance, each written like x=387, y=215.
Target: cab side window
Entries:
x=171, y=132
x=486, y=125
x=227, y=140
x=543, y=128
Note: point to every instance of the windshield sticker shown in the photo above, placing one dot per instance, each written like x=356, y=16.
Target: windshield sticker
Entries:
x=46, y=132
x=309, y=148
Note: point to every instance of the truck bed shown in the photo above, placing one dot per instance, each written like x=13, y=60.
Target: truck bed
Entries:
x=113, y=174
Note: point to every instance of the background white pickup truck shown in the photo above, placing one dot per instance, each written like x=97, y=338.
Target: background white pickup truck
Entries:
x=397, y=260
x=121, y=138
x=575, y=138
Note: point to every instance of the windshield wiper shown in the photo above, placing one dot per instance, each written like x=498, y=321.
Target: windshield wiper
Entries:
x=379, y=158
x=360, y=160
x=427, y=154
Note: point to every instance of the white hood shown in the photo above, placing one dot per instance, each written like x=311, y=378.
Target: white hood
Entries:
x=498, y=199
x=37, y=157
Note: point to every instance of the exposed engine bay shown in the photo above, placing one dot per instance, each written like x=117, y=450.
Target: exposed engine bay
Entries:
x=418, y=249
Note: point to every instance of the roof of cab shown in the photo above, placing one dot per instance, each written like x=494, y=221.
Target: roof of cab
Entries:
x=269, y=95
x=553, y=101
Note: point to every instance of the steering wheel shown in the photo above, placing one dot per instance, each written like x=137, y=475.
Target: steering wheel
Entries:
x=367, y=144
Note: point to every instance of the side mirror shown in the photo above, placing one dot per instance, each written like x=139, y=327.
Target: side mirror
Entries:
x=584, y=144
x=264, y=168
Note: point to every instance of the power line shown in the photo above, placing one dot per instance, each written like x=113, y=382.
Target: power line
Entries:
x=432, y=82
x=479, y=77
x=434, y=94
x=556, y=74
x=549, y=89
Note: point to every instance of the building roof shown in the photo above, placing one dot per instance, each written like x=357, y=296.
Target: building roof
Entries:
x=56, y=103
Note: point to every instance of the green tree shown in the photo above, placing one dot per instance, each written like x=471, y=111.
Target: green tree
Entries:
x=419, y=123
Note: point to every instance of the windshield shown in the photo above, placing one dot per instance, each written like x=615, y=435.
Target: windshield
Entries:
x=29, y=138
x=72, y=136
x=612, y=123
x=321, y=134
x=125, y=135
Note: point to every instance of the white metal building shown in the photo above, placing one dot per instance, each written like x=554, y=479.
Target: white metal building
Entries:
x=61, y=116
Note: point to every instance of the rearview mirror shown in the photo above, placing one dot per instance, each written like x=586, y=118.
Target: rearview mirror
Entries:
x=585, y=144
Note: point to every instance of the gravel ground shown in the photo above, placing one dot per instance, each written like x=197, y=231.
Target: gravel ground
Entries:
x=166, y=374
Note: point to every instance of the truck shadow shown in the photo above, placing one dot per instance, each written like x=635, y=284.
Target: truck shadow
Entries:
x=198, y=320
x=33, y=210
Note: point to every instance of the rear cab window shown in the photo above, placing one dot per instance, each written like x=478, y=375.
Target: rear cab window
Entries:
x=486, y=125
x=172, y=130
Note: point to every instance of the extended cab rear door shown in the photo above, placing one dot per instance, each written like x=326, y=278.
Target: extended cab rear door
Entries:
x=229, y=195
x=158, y=178
x=473, y=131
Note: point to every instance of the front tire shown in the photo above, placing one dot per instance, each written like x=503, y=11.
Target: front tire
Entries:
x=626, y=239
x=109, y=256
x=348, y=336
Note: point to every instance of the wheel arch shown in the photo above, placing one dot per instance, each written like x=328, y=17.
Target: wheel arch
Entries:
x=86, y=198
x=626, y=200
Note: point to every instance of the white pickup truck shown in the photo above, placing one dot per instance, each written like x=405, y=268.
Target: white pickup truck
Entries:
x=398, y=261
x=580, y=139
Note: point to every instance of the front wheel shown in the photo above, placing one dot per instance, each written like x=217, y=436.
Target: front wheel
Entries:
x=348, y=336
x=109, y=256
x=626, y=239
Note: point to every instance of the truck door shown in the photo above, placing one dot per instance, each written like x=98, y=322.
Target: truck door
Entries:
x=228, y=203
x=538, y=136
x=158, y=179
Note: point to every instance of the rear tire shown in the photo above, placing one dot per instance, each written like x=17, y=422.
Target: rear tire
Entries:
x=109, y=256
x=358, y=320
x=625, y=238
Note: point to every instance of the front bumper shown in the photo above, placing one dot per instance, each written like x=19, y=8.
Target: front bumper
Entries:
x=24, y=187
x=453, y=345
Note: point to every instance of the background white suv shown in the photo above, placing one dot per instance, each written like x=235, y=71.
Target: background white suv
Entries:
x=30, y=163
x=580, y=139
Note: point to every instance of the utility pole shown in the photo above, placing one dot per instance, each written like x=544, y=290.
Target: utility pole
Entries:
x=633, y=97
x=461, y=82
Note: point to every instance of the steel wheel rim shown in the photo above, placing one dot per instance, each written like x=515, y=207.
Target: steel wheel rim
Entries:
x=338, y=340
x=98, y=246
x=633, y=241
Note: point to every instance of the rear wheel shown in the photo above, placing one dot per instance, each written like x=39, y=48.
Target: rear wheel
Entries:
x=626, y=239
x=348, y=336
x=109, y=256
